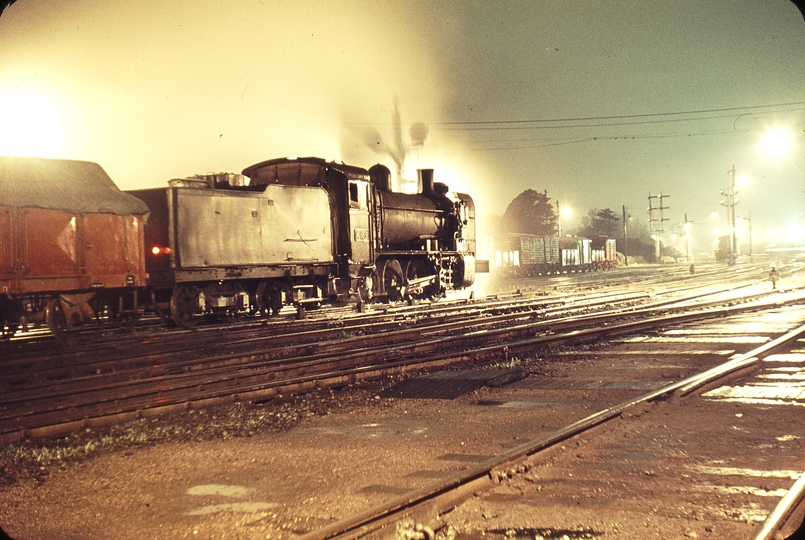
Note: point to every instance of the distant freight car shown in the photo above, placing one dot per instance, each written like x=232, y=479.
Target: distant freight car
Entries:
x=576, y=253
x=531, y=255
x=603, y=254
x=528, y=254
x=71, y=245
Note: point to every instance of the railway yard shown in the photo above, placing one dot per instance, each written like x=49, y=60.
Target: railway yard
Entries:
x=645, y=402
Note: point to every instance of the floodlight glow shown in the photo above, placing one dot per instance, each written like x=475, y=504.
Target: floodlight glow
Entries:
x=777, y=142
x=794, y=233
x=30, y=125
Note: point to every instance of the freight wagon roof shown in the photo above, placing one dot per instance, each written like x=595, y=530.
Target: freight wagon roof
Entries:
x=80, y=187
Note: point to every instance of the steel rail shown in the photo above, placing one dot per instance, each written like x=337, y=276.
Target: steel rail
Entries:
x=379, y=516
x=775, y=521
x=257, y=383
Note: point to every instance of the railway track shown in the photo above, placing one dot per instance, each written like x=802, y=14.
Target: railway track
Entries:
x=420, y=512
x=322, y=476
x=113, y=382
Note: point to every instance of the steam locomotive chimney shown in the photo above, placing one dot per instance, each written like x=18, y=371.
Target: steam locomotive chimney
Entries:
x=426, y=179
x=381, y=177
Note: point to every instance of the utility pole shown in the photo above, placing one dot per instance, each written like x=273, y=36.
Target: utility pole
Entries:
x=558, y=220
x=749, y=219
x=730, y=201
x=686, y=227
x=625, y=238
x=656, y=224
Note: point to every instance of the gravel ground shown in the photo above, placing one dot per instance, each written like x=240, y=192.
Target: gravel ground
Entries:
x=326, y=454
x=33, y=460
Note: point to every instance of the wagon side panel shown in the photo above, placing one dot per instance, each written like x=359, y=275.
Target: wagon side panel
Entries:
x=112, y=250
x=9, y=238
x=50, y=257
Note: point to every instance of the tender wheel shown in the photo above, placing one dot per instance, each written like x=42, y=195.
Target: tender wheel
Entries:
x=184, y=304
x=54, y=316
x=259, y=302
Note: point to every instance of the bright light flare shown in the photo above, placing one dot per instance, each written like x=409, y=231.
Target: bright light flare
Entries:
x=777, y=142
x=794, y=233
x=30, y=125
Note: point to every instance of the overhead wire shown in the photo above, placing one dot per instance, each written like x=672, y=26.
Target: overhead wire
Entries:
x=731, y=110
x=607, y=122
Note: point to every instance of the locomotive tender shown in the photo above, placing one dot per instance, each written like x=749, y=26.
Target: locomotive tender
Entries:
x=71, y=245
x=301, y=231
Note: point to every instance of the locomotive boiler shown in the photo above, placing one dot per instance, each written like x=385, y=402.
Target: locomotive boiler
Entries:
x=299, y=232
x=71, y=245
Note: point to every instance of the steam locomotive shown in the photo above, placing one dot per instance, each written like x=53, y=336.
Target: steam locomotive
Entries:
x=284, y=232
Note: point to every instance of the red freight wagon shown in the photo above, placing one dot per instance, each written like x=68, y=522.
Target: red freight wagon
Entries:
x=71, y=245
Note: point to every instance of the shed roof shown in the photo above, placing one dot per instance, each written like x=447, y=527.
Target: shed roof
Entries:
x=80, y=187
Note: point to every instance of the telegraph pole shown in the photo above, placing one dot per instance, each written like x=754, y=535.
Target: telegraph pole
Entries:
x=656, y=224
x=625, y=238
x=558, y=220
x=730, y=201
x=686, y=228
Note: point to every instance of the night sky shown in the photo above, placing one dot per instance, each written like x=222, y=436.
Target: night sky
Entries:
x=600, y=103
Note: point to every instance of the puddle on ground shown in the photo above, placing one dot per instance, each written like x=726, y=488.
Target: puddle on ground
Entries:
x=530, y=534
x=532, y=404
x=773, y=394
x=241, y=508
x=698, y=339
x=742, y=490
x=741, y=514
x=749, y=328
x=648, y=352
x=737, y=471
x=788, y=357
x=219, y=490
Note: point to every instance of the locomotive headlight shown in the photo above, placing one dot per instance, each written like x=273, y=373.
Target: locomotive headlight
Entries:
x=157, y=250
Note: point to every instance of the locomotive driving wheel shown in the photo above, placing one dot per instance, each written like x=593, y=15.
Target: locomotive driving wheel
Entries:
x=391, y=282
x=184, y=304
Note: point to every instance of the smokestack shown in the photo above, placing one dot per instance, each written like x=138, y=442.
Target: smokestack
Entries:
x=426, y=179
